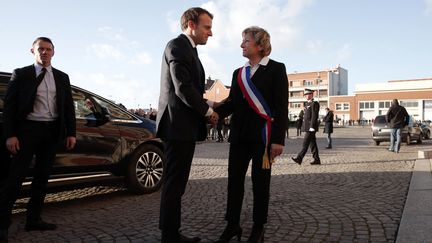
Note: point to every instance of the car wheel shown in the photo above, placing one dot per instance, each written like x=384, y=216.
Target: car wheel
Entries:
x=408, y=139
x=144, y=170
x=427, y=135
x=377, y=143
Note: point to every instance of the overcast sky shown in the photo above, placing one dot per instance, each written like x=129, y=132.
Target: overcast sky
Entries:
x=114, y=48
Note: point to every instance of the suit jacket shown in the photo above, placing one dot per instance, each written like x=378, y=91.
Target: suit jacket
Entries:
x=21, y=95
x=328, y=122
x=310, y=118
x=246, y=125
x=182, y=108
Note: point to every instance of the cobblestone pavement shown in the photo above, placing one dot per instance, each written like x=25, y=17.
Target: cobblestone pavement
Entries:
x=356, y=195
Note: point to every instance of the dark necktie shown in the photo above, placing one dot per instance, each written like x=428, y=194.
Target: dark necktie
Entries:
x=195, y=51
x=41, y=76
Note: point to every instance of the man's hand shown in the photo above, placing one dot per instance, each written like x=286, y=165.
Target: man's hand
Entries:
x=275, y=150
x=70, y=143
x=213, y=118
x=12, y=145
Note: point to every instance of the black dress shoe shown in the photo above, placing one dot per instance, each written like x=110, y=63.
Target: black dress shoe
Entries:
x=257, y=234
x=3, y=235
x=328, y=147
x=297, y=160
x=229, y=232
x=316, y=162
x=185, y=239
x=39, y=225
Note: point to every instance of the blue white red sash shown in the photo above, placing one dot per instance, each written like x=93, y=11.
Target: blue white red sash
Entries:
x=258, y=104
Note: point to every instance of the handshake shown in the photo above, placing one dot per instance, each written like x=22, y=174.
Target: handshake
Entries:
x=213, y=118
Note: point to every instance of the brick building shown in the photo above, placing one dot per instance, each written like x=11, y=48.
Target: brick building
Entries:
x=370, y=100
x=215, y=90
x=325, y=83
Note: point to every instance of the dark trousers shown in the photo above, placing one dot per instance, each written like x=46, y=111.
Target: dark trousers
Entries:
x=35, y=138
x=309, y=140
x=177, y=166
x=238, y=162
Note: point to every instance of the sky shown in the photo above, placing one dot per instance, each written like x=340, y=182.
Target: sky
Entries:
x=114, y=47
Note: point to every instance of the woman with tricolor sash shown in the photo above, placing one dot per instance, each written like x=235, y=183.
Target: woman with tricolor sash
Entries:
x=258, y=102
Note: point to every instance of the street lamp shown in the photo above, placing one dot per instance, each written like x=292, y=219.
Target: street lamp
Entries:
x=318, y=80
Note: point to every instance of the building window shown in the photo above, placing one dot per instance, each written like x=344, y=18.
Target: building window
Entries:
x=367, y=105
x=296, y=105
x=342, y=106
x=307, y=83
x=411, y=104
x=384, y=104
x=346, y=106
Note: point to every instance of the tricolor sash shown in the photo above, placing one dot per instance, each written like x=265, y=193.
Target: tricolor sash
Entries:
x=258, y=104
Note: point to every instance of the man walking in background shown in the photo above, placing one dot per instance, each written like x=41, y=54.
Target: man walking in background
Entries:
x=397, y=118
x=310, y=127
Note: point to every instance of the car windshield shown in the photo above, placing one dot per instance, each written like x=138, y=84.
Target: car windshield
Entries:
x=380, y=120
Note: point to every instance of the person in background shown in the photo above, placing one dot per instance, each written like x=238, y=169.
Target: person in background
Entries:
x=397, y=117
x=299, y=122
x=250, y=135
x=38, y=113
x=181, y=118
x=310, y=126
x=328, y=126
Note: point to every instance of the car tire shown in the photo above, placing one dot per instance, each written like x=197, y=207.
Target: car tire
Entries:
x=427, y=135
x=408, y=139
x=377, y=143
x=144, y=170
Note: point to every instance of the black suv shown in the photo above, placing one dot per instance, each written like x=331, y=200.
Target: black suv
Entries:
x=110, y=142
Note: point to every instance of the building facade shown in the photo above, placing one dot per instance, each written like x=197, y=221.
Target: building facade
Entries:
x=332, y=82
x=215, y=90
x=370, y=100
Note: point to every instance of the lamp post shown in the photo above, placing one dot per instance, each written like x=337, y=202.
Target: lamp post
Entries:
x=318, y=80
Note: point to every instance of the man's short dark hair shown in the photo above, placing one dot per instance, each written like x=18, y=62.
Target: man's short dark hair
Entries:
x=193, y=14
x=46, y=39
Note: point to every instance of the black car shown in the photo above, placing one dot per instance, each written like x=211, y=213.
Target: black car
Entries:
x=381, y=131
x=111, y=142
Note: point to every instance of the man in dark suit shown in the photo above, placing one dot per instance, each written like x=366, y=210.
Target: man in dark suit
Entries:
x=269, y=81
x=181, y=118
x=38, y=112
x=310, y=127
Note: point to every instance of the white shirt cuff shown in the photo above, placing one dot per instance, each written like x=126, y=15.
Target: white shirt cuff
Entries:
x=210, y=103
x=209, y=111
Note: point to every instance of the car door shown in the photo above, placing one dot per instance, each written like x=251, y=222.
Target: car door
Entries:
x=98, y=139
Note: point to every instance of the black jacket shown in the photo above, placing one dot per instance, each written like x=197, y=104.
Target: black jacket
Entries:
x=246, y=125
x=397, y=116
x=182, y=108
x=328, y=122
x=19, y=101
x=310, y=118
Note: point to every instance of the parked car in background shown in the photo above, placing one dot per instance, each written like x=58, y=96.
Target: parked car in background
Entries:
x=381, y=131
x=426, y=130
x=111, y=142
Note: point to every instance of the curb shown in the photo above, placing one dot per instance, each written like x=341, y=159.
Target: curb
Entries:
x=416, y=222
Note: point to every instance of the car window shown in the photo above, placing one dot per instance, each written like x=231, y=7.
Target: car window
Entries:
x=84, y=106
x=114, y=111
x=380, y=120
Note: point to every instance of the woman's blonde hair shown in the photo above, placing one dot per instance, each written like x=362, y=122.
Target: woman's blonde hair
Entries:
x=261, y=37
